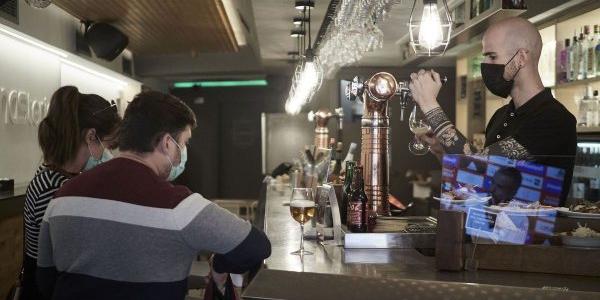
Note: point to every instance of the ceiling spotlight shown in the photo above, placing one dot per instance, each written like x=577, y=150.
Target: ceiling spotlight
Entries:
x=305, y=4
x=299, y=20
x=297, y=33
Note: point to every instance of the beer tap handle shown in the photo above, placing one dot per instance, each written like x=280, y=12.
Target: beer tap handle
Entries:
x=405, y=97
x=340, y=115
x=354, y=89
x=311, y=116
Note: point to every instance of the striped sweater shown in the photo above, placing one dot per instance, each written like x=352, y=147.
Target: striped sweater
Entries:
x=119, y=231
x=40, y=191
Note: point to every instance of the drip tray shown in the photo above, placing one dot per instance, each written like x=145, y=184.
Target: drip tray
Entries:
x=395, y=232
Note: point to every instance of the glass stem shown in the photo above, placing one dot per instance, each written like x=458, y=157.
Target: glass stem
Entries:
x=417, y=142
x=301, y=238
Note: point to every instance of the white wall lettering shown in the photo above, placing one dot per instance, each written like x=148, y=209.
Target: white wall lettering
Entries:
x=20, y=108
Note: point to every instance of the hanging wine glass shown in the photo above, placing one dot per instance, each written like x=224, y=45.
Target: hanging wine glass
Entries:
x=418, y=125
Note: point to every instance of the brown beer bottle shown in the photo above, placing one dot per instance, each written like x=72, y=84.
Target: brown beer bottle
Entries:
x=357, y=203
x=347, y=192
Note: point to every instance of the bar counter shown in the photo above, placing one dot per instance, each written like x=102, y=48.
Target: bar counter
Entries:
x=382, y=265
x=11, y=236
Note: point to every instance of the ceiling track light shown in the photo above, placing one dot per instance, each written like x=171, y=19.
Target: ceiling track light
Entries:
x=299, y=20
x=305, y=4
x=296, y=33
x=308, y=74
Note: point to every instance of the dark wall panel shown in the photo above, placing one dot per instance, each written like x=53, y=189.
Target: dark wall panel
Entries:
x=202, y=168
x=225, y=152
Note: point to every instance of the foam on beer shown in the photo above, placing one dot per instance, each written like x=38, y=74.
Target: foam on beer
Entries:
x=302, y=203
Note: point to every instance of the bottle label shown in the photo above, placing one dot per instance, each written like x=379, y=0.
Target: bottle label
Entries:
x=355, y=214
x=590, y=117
x=595, y=183
x=590, y=59
x=578, y=190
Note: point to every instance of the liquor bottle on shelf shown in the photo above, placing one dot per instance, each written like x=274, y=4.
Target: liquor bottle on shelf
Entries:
x=574, y=58
x=597, y=48
x=347, y=192
x=570, y=61
x=582, y=53
x=591, y=63
x=583, y=106
x=357, y=204
x=563, y=63
x=595, y=107
x=591, y=108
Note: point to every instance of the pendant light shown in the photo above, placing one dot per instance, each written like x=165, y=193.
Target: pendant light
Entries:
x=308, y=74
x=304, y=5
x=296, y=33
x=430, y=27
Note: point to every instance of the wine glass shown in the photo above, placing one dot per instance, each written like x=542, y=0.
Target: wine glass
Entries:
x=418, y=125
x=302, y=209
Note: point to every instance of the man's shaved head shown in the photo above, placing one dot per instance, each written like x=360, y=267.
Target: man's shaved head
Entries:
x=509, y=35
x=517, y=44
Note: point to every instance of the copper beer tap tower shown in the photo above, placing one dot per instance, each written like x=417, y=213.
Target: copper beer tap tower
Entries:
x=321, y=118
x=375, y=94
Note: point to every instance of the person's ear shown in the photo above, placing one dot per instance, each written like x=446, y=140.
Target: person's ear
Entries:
x=523, y=58
x=90, y=136
x=164, y=143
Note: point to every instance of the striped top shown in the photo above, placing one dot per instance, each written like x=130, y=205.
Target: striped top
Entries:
x=40, y=191
x=119, y=231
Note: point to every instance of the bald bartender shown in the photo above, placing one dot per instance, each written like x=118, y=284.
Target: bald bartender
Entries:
x=532, y=126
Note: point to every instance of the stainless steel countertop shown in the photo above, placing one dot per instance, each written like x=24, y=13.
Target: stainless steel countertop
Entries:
x=284, y=234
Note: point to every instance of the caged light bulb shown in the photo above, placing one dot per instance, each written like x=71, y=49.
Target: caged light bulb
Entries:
x=430, y=31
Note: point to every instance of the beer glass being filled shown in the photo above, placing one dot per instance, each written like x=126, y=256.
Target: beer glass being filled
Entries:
x=302, y=208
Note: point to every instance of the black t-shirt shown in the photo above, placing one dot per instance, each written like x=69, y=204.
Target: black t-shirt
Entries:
x=544, y=127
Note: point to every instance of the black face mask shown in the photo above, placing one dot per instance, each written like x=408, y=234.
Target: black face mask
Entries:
x=493, y=78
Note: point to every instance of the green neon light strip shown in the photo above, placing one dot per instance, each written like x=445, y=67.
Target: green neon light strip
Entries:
x=229, y=83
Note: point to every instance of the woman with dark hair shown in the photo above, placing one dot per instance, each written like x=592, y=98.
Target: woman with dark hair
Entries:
x=76, y=135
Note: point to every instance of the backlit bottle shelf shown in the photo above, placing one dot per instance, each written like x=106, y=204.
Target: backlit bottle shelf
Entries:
x=583, y=129
x=576, y=83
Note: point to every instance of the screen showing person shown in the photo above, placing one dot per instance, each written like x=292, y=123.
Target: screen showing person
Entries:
x=505, y=184
x=504, y=200
x=476, y=175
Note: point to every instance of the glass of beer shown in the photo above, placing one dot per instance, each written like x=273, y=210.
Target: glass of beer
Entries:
x=418, y=125
x=302, y=208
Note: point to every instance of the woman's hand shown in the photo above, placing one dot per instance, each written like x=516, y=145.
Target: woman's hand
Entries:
x=425, y=86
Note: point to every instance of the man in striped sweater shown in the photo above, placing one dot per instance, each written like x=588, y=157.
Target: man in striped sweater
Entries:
x=123, y=231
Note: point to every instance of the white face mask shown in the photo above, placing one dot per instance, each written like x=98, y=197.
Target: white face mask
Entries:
x=92, y=162
x=178, y=169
